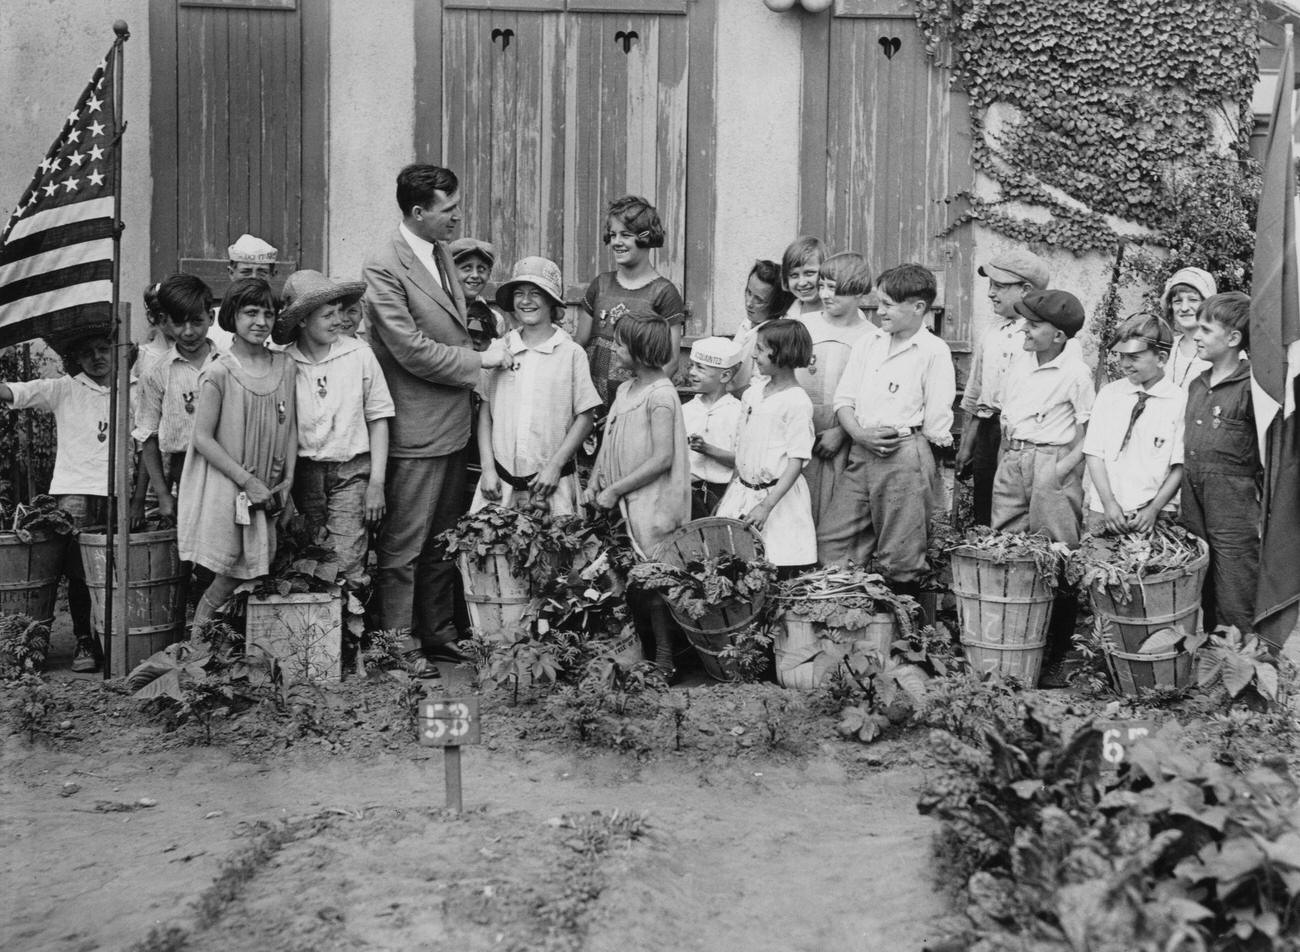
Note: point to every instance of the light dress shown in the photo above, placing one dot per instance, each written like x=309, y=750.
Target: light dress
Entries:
x=663, y=505
x=775, y=428
x=256, y=421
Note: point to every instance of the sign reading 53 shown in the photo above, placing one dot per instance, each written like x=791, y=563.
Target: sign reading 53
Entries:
x=449, y=722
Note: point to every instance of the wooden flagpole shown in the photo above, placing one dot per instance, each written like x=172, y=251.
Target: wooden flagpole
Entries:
x=118, y=562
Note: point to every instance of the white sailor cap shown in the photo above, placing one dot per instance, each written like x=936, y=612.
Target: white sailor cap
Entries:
x=715, y=352
x=250, y=248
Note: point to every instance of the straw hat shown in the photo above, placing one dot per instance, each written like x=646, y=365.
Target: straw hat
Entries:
x=304, y=291
x=542, y=272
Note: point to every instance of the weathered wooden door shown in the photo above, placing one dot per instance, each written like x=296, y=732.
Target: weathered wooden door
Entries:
x=549, y=113
x=238, y=131
x=887, y=147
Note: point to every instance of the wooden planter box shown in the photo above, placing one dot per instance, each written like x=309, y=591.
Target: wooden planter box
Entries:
x=303, y=632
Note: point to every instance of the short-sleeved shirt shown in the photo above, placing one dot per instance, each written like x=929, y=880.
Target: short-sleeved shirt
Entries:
x=1220, y=433
x=1136, y=470
x=608, y=301
x=337, y=398
x=147, y=357
x=535, y=400
x=167, y=398
x=718, y=423
x=80, y=408
x=912, y=385
x=1046, y=403
x=832, y=344
x=774, y=429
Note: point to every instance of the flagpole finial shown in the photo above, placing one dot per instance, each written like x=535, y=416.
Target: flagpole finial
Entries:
x=121, y=29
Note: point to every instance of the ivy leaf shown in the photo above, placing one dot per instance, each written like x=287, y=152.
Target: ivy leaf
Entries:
x=1162, y=641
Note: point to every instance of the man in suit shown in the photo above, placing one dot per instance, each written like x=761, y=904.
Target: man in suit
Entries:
x=419, y=335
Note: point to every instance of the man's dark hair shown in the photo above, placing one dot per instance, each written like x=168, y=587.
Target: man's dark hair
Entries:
x=417, y=183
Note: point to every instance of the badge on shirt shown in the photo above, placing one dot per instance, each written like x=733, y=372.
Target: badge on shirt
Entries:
x=1159, y=441
x=103, y=432
x=189, y=401
x=280, y=411
x=893, y=387
x=321, y=389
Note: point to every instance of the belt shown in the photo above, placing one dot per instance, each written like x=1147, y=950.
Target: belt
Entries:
x=522, y=483
x=746, y=483
x=1022, y=444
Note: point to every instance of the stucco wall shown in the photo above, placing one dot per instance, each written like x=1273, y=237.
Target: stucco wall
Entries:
x=758, y=88
x=371, y=123
x=47, y=53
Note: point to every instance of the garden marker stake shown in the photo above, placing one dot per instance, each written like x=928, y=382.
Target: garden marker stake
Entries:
x=449, y=723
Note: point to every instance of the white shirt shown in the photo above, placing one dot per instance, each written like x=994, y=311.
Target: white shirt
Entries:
x=832, y=344
x=80, y=408
x=719, y=423
x=774, y=429
x=167, y=400
x=983, y=394
x=1180, y=370
x=1154, y=447
x=424, y=253
x=1044, y=403
x=912, y=384
x=336, y=399
x=535, y=400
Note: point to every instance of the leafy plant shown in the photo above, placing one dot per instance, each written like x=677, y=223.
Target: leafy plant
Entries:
x=876, y=692
x=31, y=703
x=747, y=653
x=42, y=514
x=843, y=599
x=701, y=585
x=24, y=644
x=599, y=707
x=1118, y=562
x=535, y=543
x=304, y=562
x=1242, y=665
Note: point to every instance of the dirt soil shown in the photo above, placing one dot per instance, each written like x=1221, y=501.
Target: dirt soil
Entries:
x=326, y=830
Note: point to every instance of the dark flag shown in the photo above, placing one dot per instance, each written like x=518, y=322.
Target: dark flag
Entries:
x=56, y=251
x=1274, y=359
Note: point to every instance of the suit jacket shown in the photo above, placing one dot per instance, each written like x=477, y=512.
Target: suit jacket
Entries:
x=418, y=333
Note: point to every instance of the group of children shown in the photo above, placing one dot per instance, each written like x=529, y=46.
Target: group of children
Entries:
x=814, y=424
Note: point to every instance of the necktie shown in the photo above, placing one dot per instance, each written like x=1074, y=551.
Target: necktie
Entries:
x=1138, y=407
x=442, y=273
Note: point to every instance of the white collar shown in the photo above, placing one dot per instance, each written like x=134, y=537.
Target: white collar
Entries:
x=515, y=342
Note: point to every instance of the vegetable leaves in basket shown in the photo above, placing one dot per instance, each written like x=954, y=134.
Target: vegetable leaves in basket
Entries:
x=844, y=598
x=1001, y=547
x=42, y=514
x=704, y=584
x=1117, y=562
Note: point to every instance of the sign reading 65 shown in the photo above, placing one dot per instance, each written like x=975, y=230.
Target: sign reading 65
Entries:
x=1118, y=736
x=449, y=722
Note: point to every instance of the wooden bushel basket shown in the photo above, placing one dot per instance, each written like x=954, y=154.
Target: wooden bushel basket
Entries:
x=29, y=574
x=495, y=597
x=155, y=597
x=798, y=643
x=705, y=539
x=1165, y=600
x=1003, y=609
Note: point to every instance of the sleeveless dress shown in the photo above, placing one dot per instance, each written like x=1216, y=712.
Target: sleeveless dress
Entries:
x=662, y=506
x=256, y=421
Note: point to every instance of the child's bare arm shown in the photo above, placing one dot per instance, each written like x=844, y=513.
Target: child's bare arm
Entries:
x=6, y=395
x=1144, y=519
x=489, y=482
x=657, y=462
x=153, y=464
x=206, y=414
x=758, y=515
x=582, y=332
x=376, y=505
x=548, y=477
x=725, y=456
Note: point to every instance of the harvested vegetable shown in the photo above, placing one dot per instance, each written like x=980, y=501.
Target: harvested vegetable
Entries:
x=1001, y=547
x=703, y=584
x=1121, y=561
x=845, y=598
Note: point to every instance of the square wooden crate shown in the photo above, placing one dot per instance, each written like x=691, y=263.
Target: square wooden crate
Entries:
x=303, y=632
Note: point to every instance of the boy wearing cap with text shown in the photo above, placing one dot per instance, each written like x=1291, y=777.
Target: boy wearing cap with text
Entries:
x=538, y=407
x=1134, y=445
x=343, y=408
x=712, y=421
x=1047, y=401
x=1011, y=276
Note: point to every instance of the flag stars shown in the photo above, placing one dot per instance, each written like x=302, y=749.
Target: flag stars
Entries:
x=96, y=128
x=96, y=153
x=93, y=104
x=77, y=158
x=96, y=177
x=74, y=135
x=73, y=117
x=71, y=184
x=50, y=189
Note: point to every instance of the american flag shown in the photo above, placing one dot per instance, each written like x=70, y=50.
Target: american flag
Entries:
x=56, y=251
